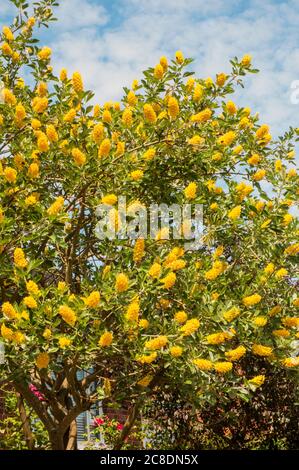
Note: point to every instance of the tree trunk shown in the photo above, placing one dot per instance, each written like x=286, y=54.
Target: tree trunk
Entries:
x=66, y=441
x=29, y=437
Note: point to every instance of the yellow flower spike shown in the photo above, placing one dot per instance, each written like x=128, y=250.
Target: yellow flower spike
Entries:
x=190, y=191
x=164, y=63
x=121, y=283
x=260, y=350
x=33, y=170
x=190, y=327
x=235, y=213
x=169, y=280
x=133, y=311
x=173, y=107
x=231, y=108
x=180, y=317
x=19, y=258
x=176, y=351
x=139, y=250
x=106, y=339
x=45, y=53
x=104, y=148
x=77, y=82
x=198, y=92
x=158, y=72
x=203, y=364
x=110, y=199
x=221, y=79
x=56, y=207
x=127, y=117
x=203, y=116
x=78, y=156
x=223, y=367
x=8, y=34
x=6, y=333
x=235, y=354
x=64, y=342
x=51, y=133
x=260, y=321
x=10, y=174
x=107, y=116
x=9, y=311
x=179, y=57
x=42, y=360
x=47, y=334
x=246, y=60
x=68, y=315
x=252, y=300
x=93, y=300
x=258, y=380
x=156, y=343
x=149, y=113
x=132, y=98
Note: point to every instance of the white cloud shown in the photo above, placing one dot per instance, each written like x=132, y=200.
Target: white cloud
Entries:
x=111, y=57
x=73, y=14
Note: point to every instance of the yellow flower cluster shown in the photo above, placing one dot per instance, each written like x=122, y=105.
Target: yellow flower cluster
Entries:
x=203, y=364
x=19, y=258
x=258, y=380
x=252, y=300
x=93, y=300
x=139, y=249
x=223, y=367
x=156, y=343
x=173, y=107
x=169, y=280
x=133, y=310
x=190, y=327
x=235, y=354
x=122, y=282
x=180, y=317
x=30, y=302
x=68, y=314
x=77, y=82
x=8, y=310
x=260, y=350
x=147, y=358
x=176, y=351
x=78, y=156
x=155, y=270
x=231, y=314
x=56, y=207
x=203, y=116
x=218, y=338
x=106, y=339
x=217, y=269
x=149, y=113
x=42, y=360
x=190, y=191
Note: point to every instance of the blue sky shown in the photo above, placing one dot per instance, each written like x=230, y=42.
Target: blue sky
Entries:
x=111, y=42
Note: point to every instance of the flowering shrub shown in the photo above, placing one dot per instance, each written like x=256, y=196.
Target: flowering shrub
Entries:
x=138, y=315
x=106, y=432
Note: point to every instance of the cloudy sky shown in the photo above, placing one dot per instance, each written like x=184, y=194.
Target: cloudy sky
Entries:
x=112, y=41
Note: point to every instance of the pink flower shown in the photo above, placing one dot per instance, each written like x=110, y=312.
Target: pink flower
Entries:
x=36, y=393
x=98, y=421
x=120, y=427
